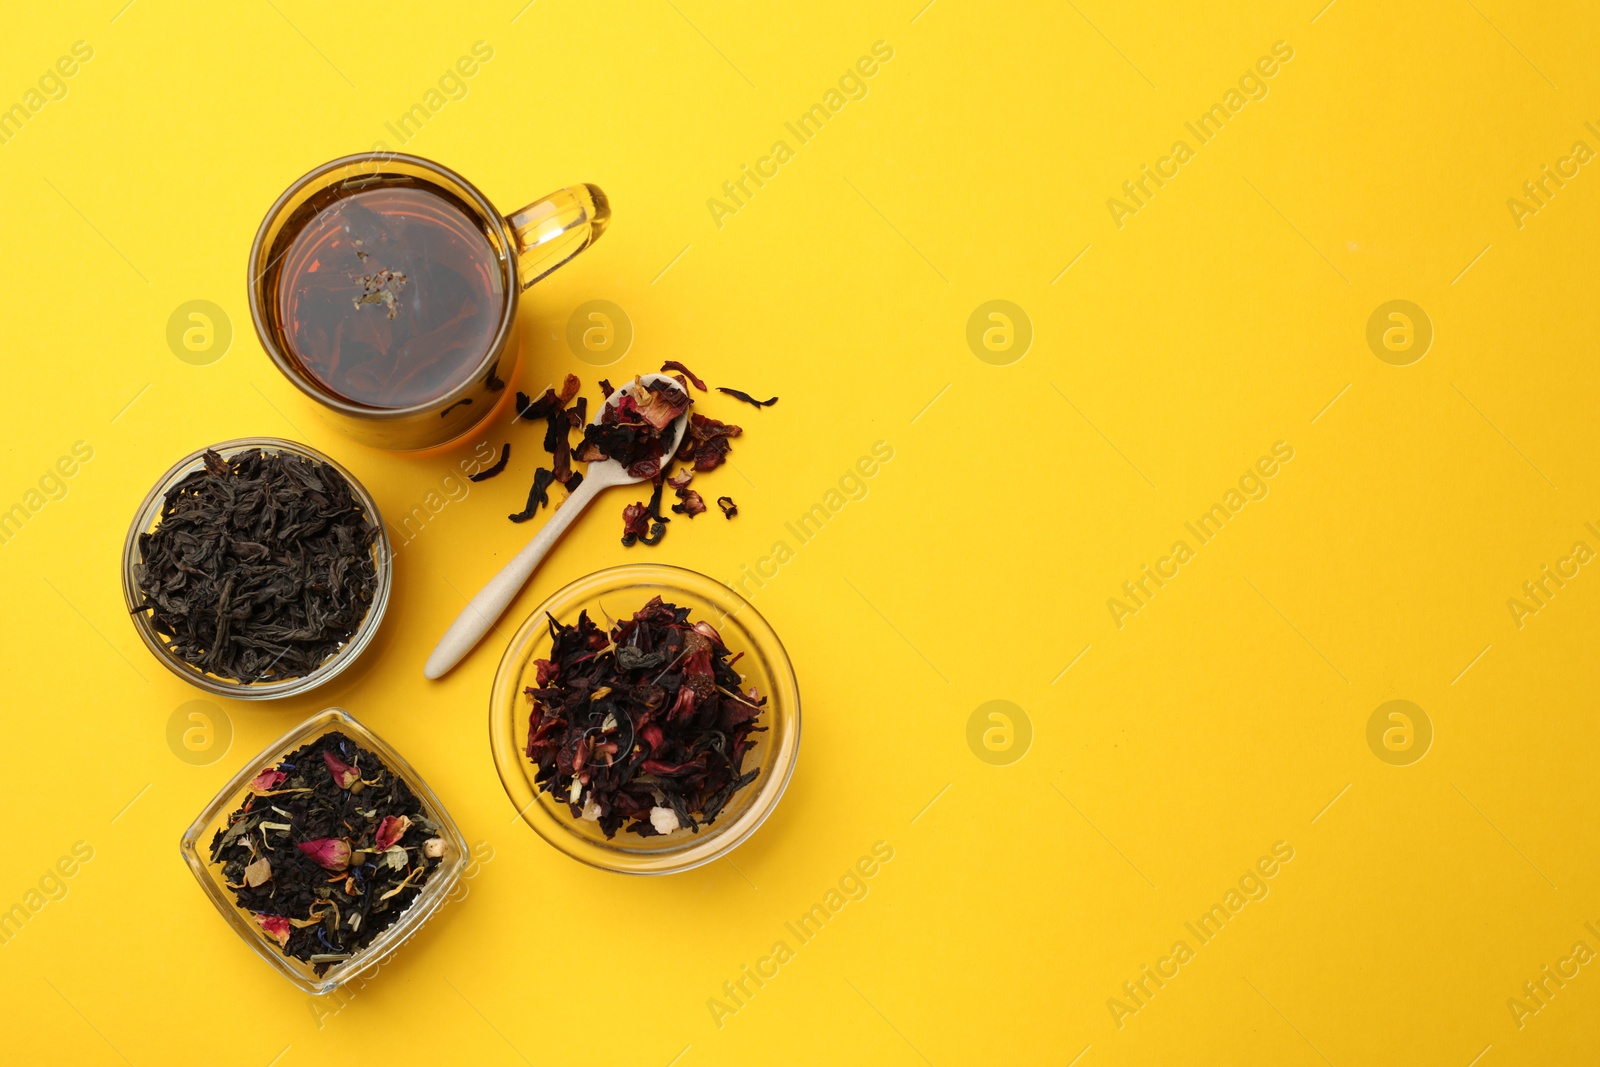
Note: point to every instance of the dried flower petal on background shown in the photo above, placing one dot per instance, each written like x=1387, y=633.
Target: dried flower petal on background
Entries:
x=691, y=503
x=706, y=443
x=729, y=508
x=674, y=365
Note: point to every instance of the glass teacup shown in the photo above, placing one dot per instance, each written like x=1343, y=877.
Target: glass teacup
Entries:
x=385, y=287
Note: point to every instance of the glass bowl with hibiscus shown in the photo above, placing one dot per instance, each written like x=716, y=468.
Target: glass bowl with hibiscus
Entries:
x=264, y=931
x=756, y=654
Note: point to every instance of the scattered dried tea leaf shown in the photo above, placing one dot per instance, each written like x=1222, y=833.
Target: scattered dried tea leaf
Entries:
x=537, y=495
x=729, y=508
x=740, y=394
x=500, y=465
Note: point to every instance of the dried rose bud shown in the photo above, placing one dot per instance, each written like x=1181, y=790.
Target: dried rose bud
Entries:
x=267, y=780
x=344, y=775
x=258, y=872
x=392, y=829
x=433, y=848
x=332, y=853
x=276, y=927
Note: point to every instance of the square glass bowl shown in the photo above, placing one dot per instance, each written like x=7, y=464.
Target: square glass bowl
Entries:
x=196, y=848
x=616, y=593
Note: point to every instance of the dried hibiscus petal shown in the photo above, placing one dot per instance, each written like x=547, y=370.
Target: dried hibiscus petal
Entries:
x=729, y=508
x=635, y=523
x=691, y=505
x=674, y=365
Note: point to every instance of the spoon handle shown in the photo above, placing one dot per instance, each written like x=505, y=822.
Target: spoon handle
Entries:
x=478, y=617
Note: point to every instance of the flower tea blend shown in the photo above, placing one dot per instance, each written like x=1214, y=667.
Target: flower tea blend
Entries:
x=645, y=727
x=328, y=849
x=260, y=566
x=633, y=432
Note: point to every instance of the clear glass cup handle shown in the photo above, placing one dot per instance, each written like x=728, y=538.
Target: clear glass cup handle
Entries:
x=553, y=230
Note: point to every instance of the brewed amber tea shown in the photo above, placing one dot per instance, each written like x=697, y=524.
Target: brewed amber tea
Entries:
x=388, y=296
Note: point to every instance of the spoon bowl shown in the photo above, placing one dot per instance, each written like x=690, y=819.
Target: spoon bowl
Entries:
x=481, y=612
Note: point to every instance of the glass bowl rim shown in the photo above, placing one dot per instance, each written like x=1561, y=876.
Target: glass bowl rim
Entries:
x=715, y=841
x=434, y=892
x=149, y=510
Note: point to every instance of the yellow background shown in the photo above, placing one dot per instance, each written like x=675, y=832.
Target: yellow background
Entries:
x=1227, y=715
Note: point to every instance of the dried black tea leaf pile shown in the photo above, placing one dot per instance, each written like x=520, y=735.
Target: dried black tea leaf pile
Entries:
x=647, y=726
x=634, y=431
x=327, y=850
x=260, y=567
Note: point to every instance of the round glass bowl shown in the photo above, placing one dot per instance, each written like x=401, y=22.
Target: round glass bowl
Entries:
x=149, y=516
x=616, y=593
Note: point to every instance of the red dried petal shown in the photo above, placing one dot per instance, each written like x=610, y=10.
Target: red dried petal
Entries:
x=344, y=775
x=660, y=404
x=268, y=780
x=276, y=927
x=392, y=829
x=331, y=853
